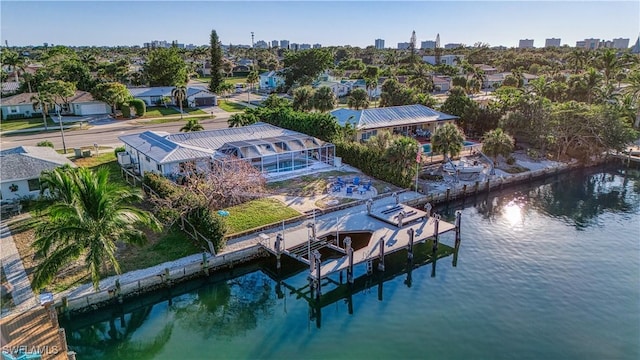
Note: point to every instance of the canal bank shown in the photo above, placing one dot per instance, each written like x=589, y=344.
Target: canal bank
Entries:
x=123, y=288
x=539, y=275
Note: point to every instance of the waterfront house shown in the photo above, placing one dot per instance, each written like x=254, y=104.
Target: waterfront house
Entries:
x=81, y=103
x=268, y=148
x=21, y=169
x=407, y=119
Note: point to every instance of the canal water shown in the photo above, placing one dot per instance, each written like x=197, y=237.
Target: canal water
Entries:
x=550, y=270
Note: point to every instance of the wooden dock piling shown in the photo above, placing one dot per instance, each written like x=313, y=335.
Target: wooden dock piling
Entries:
x=411, y=233
x=381, y=264
x=436, y=224
x=347, y=244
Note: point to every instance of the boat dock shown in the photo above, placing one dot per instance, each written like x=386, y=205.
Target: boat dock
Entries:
x=35, y=331
x=392, y=226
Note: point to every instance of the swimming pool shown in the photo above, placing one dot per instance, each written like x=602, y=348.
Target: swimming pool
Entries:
x=286, y=165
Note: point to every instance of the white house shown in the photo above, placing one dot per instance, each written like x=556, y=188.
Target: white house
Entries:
x=269, y=148
x=442, y=83
x=339, y=89
x=452, y=60
x=152, y=96
x=80, y=104
x=21, y=169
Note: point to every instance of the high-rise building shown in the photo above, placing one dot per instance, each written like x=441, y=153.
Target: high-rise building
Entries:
x=274, y=43
x=452, y=45
x=525, y=44
x=429, y=44
x=553, y=42
x=261, y=44
x=305, y=46
x=591, y=44
x=580, y=44
x=635, y=49
x=294, y=46
x=620, y=43
x=284, y=44
x=317, y=46
x=379, y=44
x=403, y=45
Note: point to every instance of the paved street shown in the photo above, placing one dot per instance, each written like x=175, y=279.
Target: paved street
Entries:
x=106, y=134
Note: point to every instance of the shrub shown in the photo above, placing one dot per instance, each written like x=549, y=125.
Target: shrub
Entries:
x=139, y=106
x=532, y=153
x=119, y=149
x=126, y=111
x=511, y=160
x=45, y=143
x=209, y=225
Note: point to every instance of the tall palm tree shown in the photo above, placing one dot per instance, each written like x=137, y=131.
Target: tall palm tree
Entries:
x=358, y=99
x=497, y=142
x=371, y=84
x=303, y=98
x=42, y=102
x=324, y=100
x=192, y=125
x=179, y=94
x=577, y=59
x=447, y=140
x=607, y=61
x=252, y=78
x=86, y=222
x=403, y=152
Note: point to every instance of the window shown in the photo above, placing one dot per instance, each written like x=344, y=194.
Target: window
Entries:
x=14, y=110
x=34, y=184
x=159, y=167
x=147, y=158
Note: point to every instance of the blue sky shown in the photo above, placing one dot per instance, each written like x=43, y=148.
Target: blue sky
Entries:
x=355, y=23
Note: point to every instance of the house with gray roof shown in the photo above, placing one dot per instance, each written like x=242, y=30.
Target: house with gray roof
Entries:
x=268, y=148
x=407, y=119
x=153, y=96
x=21, y=169
x=81, y=103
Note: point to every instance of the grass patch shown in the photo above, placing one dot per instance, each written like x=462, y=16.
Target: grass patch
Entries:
x=257, y=213
x=169, y=246
x=26, y=123
x=160, y=111
x=229, y=106
x=233, y=80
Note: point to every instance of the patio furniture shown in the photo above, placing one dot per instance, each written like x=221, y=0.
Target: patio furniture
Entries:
x=337, y=188
x=349, y=190
x=362, y=190
x=367, y=186
x=356, y=181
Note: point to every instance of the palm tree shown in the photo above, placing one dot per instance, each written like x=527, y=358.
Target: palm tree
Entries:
x=497, y=142
x=371, y=84
x=324, y=100
x=252, y=78
x=381, y=141
x=42, y=101
x=192, y=125
x=607, y=61
x=86, y=222
x=358, y=99
x=303, y=98
x=403, y=152
x=577, y=59
x=238, y=120
x=447, y=140
x=179, y=93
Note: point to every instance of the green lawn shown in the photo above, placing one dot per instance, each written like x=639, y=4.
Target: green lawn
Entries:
x=233, y=80
x=21, y=124
x=170, y=246
x=257, y=213
x=230, y=106
x=162, y=111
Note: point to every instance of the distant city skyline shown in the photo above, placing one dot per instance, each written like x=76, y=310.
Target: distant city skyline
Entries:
x=355, y=23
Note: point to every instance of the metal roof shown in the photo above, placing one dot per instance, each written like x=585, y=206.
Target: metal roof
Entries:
x=389, y=116
x=160, y=91
x=28, y=162
x=251, y=141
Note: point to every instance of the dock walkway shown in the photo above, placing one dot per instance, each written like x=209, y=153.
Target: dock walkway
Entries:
x=356, y=219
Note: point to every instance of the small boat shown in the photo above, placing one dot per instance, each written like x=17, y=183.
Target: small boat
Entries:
x=463, y=167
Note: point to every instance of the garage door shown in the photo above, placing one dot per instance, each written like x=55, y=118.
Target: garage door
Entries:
x=204, y=101
x=93, y=109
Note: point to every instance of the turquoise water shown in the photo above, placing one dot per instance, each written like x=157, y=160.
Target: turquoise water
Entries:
x=546, y=271
x=286, y=165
